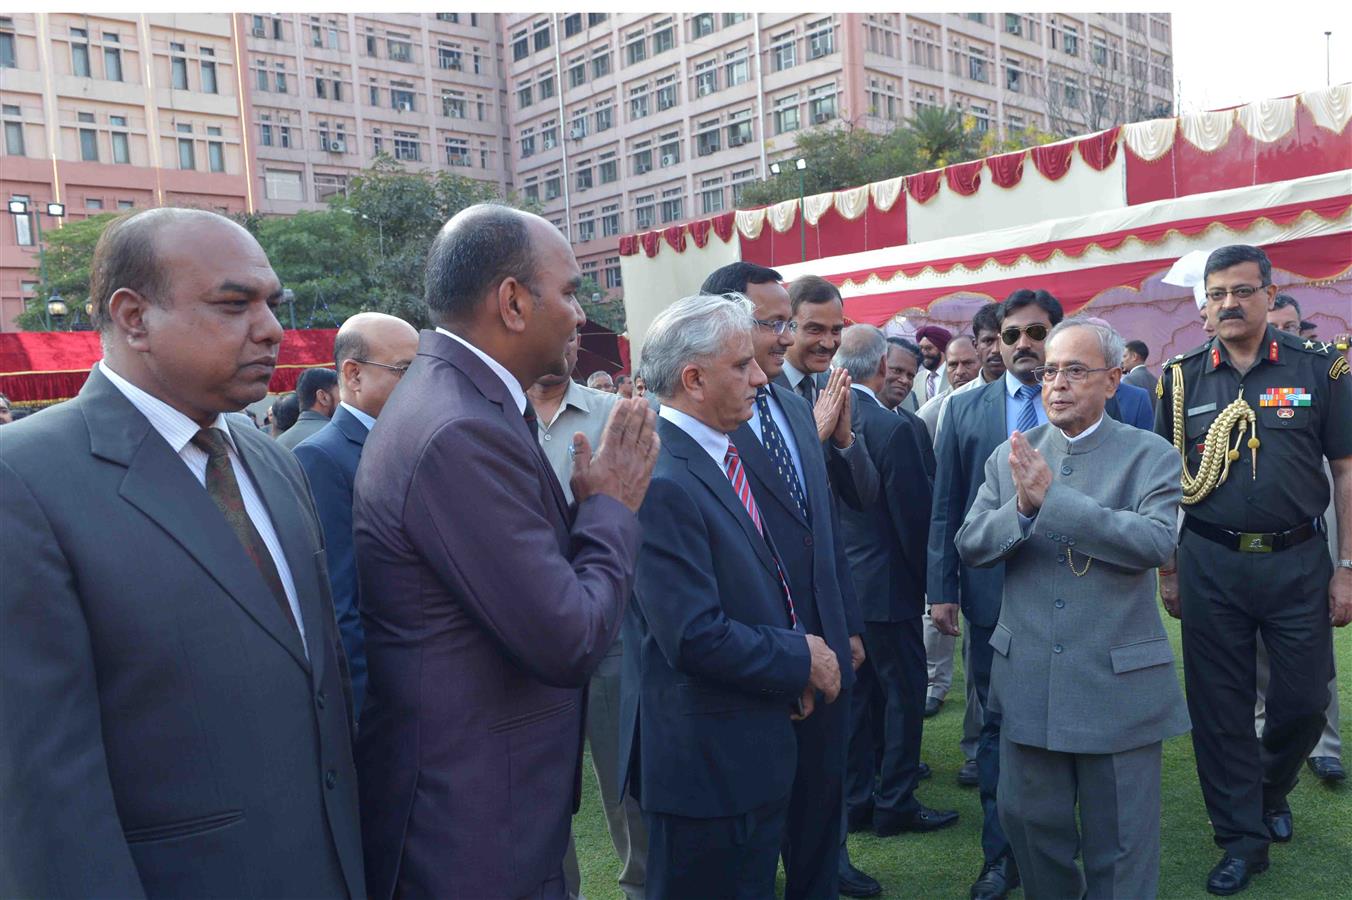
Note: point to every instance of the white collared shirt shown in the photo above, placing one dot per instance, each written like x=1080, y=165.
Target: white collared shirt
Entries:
x=1083, y=434
x=513, y=386
x=865, y=389
x=714, y=442
x=357, y=414
x=792, y=373
x=178, y=431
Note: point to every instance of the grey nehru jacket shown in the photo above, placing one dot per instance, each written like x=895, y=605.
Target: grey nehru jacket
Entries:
x=582, y=409
x=1082, y=662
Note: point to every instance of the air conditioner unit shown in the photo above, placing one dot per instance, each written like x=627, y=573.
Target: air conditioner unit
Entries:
x=260, y=32
x=821, y=117
x=405, y=107
x=737, y=140
x=668, y=159
x=577, y=133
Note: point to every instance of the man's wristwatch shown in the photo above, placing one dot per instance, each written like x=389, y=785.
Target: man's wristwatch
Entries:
x=1345, y=563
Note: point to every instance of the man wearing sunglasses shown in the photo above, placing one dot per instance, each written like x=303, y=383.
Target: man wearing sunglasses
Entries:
x=372, y=351
x=1252, y=556
x=976, y=423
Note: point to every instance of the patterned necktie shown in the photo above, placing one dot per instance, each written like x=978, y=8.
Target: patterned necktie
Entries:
x=1028, y=411
x=807, y=389
x=773, y=439
x=931, y=383
x=224, y=492
x=732, y=463
x=532, y=422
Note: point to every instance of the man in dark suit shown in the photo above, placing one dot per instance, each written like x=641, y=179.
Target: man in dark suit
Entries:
x=886, y=546
x=1134, y=362
x=976, y=422
x=717, y=652
x=317, y=393
x=372, y=351
x=173, y=686
x=487, y=599
x=784, y=459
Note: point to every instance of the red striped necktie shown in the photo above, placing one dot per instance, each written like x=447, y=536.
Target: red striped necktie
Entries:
x=732, y=463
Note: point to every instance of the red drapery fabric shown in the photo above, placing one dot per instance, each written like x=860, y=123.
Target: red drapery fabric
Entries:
x=628, y=245
x=1007, y=168
x=1053, y=162
x=923, y=185
x=674, y=235
x=1099, y=150
x=964, y=178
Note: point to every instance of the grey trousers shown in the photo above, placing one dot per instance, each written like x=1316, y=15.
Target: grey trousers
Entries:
x=1330, y=741
x=624, y=819
x=1118, y=838
x=939, y=662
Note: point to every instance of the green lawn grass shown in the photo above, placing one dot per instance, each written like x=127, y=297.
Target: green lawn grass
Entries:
x=1316, y=864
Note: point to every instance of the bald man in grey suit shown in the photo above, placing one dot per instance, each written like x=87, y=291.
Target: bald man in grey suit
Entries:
x=1083, y=672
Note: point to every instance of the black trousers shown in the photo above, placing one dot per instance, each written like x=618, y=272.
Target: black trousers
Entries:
x=865, y=744
x=813, y=830
x=897, y=652
x=1228, y=598
x=733, y=857
x=994, y=843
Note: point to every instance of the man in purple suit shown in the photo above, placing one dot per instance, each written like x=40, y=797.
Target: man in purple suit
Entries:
x=487, y=599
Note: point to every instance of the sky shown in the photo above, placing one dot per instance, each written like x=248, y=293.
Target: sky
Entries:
x=1253, y=52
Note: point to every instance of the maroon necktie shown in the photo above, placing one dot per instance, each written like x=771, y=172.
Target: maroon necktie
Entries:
x=742, y=488
x=224, y=491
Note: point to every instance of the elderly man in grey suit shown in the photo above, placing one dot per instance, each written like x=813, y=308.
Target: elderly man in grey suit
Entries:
x=1083, y=671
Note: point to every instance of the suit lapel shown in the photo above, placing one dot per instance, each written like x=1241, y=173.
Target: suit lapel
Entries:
x=996, y=426
x=351, y=428
x=279, y=497
x=702, y=466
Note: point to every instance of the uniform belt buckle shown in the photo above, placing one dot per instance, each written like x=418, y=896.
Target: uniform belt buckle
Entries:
x=1254, y=542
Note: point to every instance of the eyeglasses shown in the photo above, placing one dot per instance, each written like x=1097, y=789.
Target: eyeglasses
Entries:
x=397, y=370
x=1073, y=373
x=1243, y=292
x=779, y=326
x=1037, y=332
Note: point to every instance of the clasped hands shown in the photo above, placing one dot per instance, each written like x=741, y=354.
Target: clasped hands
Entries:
x=832, y=410
x=623, y=465
x=1032, y=476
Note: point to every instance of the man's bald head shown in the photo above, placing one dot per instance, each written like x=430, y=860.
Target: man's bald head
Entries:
x=477, y=250
x=126, y=257
x=371, y=352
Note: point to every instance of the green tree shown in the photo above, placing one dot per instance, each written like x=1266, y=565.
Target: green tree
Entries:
x=602, y=310
x=940, y=136
x=68, y=253
x=324, y=260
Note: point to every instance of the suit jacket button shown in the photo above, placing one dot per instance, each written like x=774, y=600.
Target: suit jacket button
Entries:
x=320, y=699
x=1052, y=535
x=1060, y=559
x=807, y=540
x=1071, y=542
x=1066, y=470
x=1059, y=604
x=1057, y=648
x=331, y=777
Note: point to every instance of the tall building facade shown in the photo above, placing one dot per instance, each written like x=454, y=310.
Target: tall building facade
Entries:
x=624, y=123
x=612, y=123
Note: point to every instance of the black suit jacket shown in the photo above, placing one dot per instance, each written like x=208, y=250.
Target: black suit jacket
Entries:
x=813, y=553
x=164, y=733
x=711, y=667
x=852, y=475
x=887, y=541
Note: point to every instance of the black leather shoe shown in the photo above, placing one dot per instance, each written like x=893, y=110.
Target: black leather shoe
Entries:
x=967, y=775
x=923, y=819
x=1328, y=769
x=1232, y=875
x=860, y=818
x=997, y=880
x=1278, y=822
x=932, y=706
x=924, y=772
x=854, y=883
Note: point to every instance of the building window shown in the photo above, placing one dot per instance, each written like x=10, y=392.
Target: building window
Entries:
x=706, y=78
x=450, y=58
x=112, y=60
x=542, y=37
x=400, y=49
x=711, y=197
x=612, y=272
x=93, y=203
x=89, y=139
x=178, y=69
x=533, y=192
x=126, y=204
x=708, y=142
x=401, y=99
x=702, y=25
x=121, y=150
x=604, y=118
x=737, y=68
x=520, y=46
x=733, y=18
x=786, y=114
x=546, y=86
x=586, y=230
x=664, y=38
x=643, y=161
x=609, y=170
x=572, y=25
x=596, y=18
x=549, y=135
x=406, y=146
x=601, y=64
x=453, y=105
x=1013, y=77
x=739, y=128
x=524, y=96
x=673, y=205
x=784, y=52
x=13, y=131
x=262, y=78
x=553, y=187
x=457, y=152
x=23, y=230
x=280, y=184
x=638, y=102
x=209, y=74
x=8, y=59
x=286, y=136
x=79, y=52
x=666, y=92
x=281, y=82
x=821, y=104
x=976, y=65
x=636, y=51
x=1013, y=24
x=821, y=39
x=583, y=178
x=610, y=220
x=645, y=212
x=265, y=134
x=527, y=145
x=215, y=151
x=187, y=157
x=669, y=151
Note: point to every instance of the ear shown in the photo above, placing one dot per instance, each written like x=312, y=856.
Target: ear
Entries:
x=514, y=304
x=692, y=382
x=128, y=311
x=1114, y=379
x=350, y=375
x=882, y=367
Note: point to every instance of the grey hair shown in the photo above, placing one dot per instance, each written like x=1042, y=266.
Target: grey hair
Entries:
x=691, y=330
x=595, y=378
x=861, y=351
x=1110, y=342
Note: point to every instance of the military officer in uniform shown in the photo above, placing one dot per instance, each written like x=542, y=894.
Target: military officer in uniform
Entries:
x=1254, y=412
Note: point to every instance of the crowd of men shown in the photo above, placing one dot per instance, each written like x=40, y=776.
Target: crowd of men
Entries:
x=364, y=657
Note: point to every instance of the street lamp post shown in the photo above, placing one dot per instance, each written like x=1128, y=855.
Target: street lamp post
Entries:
x=19, y=208
x=289, y=298
x=1328, y=66
x=800, y=164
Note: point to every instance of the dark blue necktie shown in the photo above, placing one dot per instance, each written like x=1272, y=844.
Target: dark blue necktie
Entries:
x=1028, y=394
x=778, y=451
